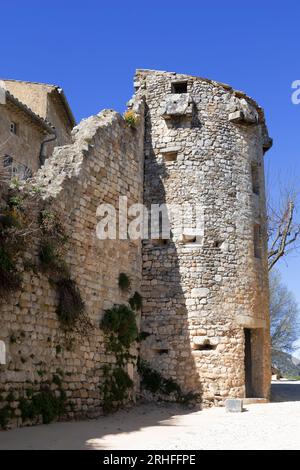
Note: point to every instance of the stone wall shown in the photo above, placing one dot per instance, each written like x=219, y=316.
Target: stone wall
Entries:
x=102, y=163
x=199, y=295
x=204, y=293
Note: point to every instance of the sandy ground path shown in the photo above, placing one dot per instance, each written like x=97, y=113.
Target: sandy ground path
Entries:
x=274, y=425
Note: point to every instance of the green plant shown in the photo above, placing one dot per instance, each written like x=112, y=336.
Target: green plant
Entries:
x=12, y=338
x=46, y=404
x=50, y=259
x=143, y=335
x=115, y=387
x=120, y=321
x=16, y=202
x=70, y=304
x=9, y=278
x=57, y=380
x=10, y=397
x=130, y=118
x=120, y=329
x=136, y=301
x=15, y=183
x=5, y=415
x=124, y=282
x=155, y=383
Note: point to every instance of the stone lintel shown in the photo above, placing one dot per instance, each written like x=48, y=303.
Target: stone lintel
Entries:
x=250, y=322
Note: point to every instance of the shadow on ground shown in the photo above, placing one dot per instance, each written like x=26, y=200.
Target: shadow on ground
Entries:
x=285, y=391
x=87, y=435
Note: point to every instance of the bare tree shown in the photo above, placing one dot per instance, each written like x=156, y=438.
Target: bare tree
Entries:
x=284, y=315
x=283, y=229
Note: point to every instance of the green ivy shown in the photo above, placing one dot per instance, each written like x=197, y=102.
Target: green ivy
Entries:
x=124, y=282
x=45, y=404
x=115, y=387
x=155, y=383
x=120, y=321
x=136, y=301
x=121, y=331
x=70, y=304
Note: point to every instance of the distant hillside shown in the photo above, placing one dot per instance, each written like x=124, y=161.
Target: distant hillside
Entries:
x=286, y=363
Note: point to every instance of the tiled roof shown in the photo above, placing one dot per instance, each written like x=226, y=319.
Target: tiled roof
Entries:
x=34, y=117
x=60, y=93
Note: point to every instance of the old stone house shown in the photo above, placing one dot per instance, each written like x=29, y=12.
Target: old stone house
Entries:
x=205, y=312
x=34, y=118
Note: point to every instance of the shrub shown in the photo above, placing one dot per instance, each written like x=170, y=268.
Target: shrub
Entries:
x=45, y=404
x=70, y=304
x=130, y=118
x=115, y=387
x=154, y=382
x=124, y=282
x=136, y=301
x=120, y=320
x=9, y=278
x=50, y=259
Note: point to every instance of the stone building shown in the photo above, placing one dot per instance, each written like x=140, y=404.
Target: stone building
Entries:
x=206, y=293
x=205, y=318
x=34, y=118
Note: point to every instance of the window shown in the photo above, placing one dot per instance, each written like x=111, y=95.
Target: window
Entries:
x=170, y=156
x=257, y=240
x=179, y=87
x=13, y=127
x=189, y=238
x=255, y=178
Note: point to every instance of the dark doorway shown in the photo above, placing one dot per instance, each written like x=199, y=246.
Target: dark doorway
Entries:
x=248, y=363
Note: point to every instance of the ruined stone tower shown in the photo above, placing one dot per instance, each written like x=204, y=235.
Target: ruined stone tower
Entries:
x=195, y=145
x=206, y=293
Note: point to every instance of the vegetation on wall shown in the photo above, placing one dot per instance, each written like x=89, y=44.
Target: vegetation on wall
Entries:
x=47, y=403
x=121, y=331
x=154, y=382
x=131, y=118
x=136, y=301
x=15, y=230
x=119, y=324
x=70, y=306
x=124, y=282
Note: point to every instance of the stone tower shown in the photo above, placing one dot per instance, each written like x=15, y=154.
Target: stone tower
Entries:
x=205, y=290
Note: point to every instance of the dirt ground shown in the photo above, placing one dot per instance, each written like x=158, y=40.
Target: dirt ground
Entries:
x=274, y=425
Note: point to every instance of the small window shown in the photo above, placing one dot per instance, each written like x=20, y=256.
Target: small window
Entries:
x=255, y=178
x=161, y=351
x=13, y=127
x=189, y=238
x=179, y=87
x=204, y=346
x=170, y=157
x=257, y=241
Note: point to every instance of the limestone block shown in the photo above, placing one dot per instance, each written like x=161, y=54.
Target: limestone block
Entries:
x=176, y=105
x=234, y=405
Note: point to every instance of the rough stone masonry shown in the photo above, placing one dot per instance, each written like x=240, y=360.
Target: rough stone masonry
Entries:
x=205, y=296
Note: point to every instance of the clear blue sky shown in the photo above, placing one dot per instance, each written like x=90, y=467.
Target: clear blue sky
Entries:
x=92, y=48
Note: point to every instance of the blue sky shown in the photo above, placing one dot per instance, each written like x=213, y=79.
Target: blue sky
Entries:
x=92, y=48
